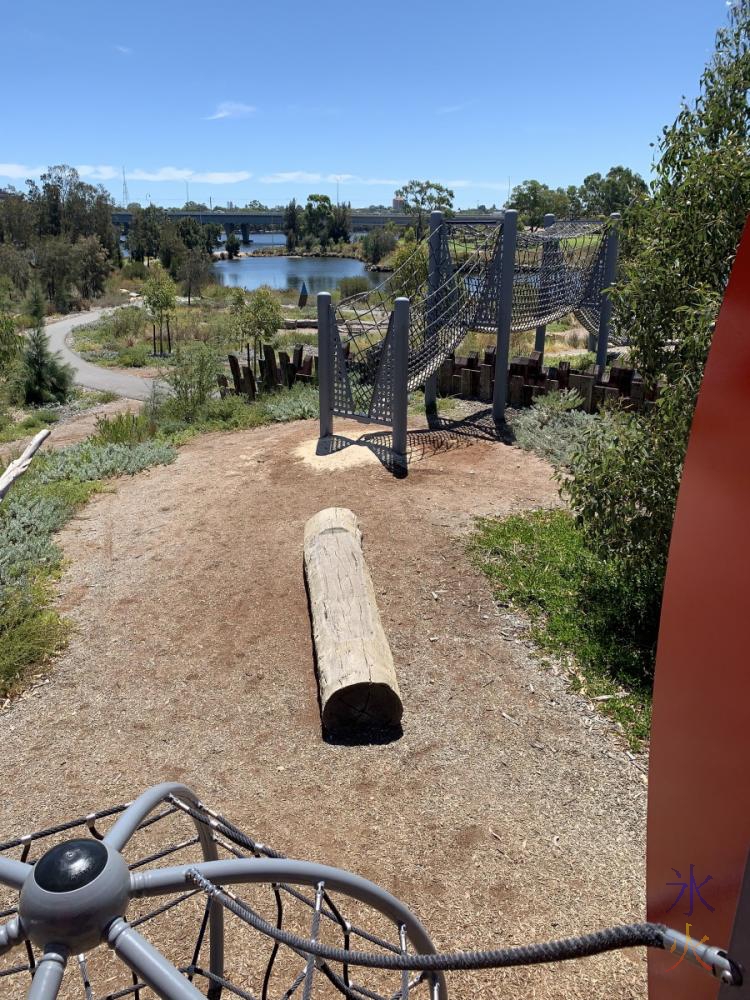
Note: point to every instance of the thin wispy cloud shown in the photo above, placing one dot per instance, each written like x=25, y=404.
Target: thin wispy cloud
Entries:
x=106, y=172
x=452, y=109
x=231, y=109
x=101, y=172
x=185, y=174
x=19, y=172
x=123, y=50
x=291, y=177
x=309, y=177
x=463, y=183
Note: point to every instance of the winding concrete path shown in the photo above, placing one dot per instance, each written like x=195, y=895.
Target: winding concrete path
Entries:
x=92, y=376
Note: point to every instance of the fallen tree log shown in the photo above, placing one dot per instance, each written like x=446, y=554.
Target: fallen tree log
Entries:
x=357, y=678
x=21, y=464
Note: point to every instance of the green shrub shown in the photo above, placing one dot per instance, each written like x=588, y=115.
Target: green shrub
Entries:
x=231, y=413
x=539, y=562
x=135, y=270
x=300, y=403
x=39, y=418
x=36, y=507
x=354, y=286
x=378, y=243
x=193, y=379
x=89, y=461
x=577, y=362
x=678, y=249
x=133, y=357
x=27, y=523
x=553, y=427
x=35, y=421
x=409, y=263
x=31, y=632
x=124, y=428
x=128, y=323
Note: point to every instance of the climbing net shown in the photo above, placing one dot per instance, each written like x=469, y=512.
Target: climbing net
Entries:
x=440, y=316
x=243, y=921
x=557, y=271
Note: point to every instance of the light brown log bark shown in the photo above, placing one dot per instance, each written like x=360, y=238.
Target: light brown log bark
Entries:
x=21, y=464
x=357, y=678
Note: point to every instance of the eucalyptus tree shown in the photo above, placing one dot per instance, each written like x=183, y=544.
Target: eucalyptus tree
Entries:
x=423, y=197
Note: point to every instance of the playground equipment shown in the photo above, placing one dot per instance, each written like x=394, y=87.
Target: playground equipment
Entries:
x=376, y=347
x=318, y=930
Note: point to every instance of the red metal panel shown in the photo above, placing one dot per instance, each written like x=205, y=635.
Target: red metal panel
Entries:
x=699, y=799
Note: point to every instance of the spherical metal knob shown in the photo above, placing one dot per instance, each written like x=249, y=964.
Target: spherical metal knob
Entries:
x=71, y=865
x=72, y=893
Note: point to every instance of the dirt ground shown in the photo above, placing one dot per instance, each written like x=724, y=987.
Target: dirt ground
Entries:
x=507, y=812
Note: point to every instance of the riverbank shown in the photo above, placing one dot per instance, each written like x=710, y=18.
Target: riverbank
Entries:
x=270, y=251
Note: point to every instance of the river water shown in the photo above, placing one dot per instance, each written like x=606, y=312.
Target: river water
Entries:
x=320, y=274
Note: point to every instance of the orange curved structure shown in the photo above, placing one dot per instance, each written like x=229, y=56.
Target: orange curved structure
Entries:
x=699, y=800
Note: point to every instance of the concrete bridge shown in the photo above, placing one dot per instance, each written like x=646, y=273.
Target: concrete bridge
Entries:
x=253, y=222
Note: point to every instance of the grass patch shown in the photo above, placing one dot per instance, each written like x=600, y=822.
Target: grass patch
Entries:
x=538, y=562
x=86, y=399
x=31, y=420
x=177, y=424
x=39, y=504
x=31, y=631
x=30, y=424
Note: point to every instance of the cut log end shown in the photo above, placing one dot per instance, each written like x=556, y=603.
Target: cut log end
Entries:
x=362, y=706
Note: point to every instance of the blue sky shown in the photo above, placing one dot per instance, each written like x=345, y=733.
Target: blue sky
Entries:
x=273, y=100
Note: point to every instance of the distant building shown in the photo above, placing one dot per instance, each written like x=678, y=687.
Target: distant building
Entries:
x=399, y=204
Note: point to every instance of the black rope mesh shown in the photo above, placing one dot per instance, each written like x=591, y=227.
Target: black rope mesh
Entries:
x=296, y=947
x=557, y=271
x=289, y=903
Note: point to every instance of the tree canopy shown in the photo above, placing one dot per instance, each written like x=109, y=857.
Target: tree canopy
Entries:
x=679, y=245
x=619, y=190
x=423, y=197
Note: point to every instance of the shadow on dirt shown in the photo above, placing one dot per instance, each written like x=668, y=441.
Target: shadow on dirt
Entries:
x=440, y=435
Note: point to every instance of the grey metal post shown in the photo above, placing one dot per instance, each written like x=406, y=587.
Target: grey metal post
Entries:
x=126, y=825
x=610, y=273
x=541, y=331
x=504, y=313
x=48, y=975
x=399, y=377
x=433, y=283
x=13, y=873
x=151, y=966
x=10, y=934
x=325, y=365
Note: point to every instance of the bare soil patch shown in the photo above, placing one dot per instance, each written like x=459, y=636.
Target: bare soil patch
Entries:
x=507, y=812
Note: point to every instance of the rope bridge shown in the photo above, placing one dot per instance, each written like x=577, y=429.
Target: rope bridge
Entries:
x=453, y=280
